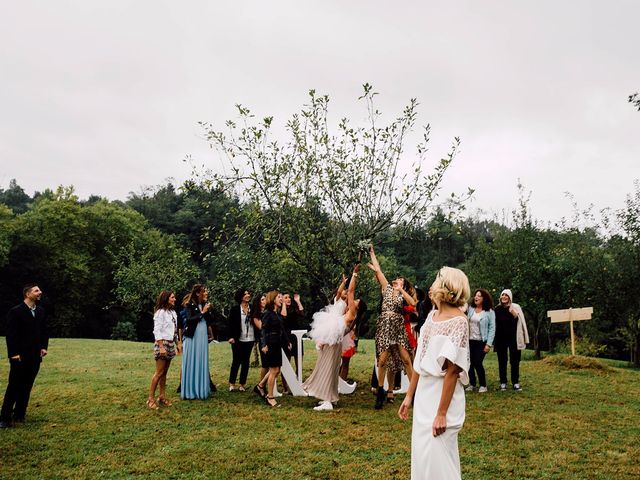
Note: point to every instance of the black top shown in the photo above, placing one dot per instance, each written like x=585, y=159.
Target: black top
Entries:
x=26, y=334
x=294, y=320
x=506, y=327
x=235, y=323
x=273, y=332
x=193, y=317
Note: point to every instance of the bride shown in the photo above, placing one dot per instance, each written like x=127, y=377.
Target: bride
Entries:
x=440, y=370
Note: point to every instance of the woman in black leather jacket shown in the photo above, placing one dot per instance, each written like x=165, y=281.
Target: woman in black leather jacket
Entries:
x=273, y=338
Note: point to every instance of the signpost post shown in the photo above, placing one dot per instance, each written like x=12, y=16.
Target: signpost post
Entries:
x=570, y=315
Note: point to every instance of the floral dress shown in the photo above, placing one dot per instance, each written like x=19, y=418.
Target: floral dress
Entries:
x=390, y=331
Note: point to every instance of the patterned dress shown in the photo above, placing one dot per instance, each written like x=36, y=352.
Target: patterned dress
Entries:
x=390, y=331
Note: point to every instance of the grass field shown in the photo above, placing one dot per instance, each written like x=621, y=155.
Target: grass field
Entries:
x=87, y=419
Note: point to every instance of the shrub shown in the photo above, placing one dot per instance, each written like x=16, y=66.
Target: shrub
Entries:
x=123, y=331
x=576, y=362
x=584, y=346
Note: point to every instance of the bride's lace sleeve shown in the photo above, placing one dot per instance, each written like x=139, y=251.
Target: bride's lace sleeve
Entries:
x=448, y=341
x=458, y=332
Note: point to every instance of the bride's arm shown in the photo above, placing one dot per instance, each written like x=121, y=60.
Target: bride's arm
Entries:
x=450, y=380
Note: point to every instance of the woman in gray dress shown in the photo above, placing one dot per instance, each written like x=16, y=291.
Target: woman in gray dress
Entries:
x=328, y=328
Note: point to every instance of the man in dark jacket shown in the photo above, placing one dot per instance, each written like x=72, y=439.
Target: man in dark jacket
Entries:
x=27, y=343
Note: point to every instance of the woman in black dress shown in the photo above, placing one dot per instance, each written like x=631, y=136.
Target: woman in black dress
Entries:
x=273, y=338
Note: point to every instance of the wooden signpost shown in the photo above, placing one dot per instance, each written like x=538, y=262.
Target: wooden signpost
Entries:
x=570, y=315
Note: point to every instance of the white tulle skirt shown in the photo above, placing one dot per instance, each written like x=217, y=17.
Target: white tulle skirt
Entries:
x=328, y=326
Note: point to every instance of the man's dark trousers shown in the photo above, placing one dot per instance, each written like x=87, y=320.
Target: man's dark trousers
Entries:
x=21, y=377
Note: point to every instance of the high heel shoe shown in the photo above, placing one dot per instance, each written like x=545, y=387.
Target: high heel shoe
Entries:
x=272, y=405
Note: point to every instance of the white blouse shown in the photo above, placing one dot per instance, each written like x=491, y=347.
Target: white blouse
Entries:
x=441, y=341
x=246, y=328
x=164, y=324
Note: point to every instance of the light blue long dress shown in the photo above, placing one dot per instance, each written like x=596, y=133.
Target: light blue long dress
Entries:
x=195, y=365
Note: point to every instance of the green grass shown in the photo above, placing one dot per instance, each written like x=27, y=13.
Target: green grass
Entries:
x=87, y=419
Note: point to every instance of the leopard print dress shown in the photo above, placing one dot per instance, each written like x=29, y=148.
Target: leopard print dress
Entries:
x=390, y=331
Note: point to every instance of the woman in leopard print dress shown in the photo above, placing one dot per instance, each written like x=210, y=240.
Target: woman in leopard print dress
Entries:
x=392, y=342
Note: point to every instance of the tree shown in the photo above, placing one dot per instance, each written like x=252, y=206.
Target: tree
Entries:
x=520, y=259
x=317, y=196
x=635, y=100
x=15, y=198
x=6, y=220
x=143, y=268
x=625, y=248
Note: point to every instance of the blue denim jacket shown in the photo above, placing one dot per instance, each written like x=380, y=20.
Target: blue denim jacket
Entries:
x=487, y=324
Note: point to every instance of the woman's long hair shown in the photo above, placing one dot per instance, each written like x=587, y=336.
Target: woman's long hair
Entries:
x=162, y=302
x=256, y=308
x=360, y=316
x=193, y=294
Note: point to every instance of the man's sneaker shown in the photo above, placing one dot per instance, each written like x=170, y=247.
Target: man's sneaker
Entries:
x=470, y=388
x=517, y=387
x=503, y=387
x=482, y=390
x=5, y=424
x=324, y=406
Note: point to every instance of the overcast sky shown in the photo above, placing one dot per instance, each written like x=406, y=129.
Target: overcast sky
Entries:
x=105, y=95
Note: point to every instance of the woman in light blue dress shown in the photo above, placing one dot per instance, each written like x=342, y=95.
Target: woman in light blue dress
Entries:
x=195, y=357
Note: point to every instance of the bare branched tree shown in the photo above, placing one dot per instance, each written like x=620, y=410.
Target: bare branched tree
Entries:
x=321, y=196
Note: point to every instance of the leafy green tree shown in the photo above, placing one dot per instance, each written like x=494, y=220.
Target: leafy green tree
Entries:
x=6, y=220
x=73, y=249
x=49, y=247
x=520, y=259
x=625, y=250
x=145, y=266
x=15, y=197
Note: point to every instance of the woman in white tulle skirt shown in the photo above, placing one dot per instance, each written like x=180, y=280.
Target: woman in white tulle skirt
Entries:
x=440, y=367
x=328, y=328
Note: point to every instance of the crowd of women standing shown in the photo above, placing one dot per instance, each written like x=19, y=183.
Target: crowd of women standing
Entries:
x=455, y=335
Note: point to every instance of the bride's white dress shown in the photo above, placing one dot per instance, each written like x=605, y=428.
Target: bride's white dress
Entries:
x=438, y=457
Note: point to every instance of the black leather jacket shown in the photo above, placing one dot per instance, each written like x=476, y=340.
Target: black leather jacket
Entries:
x=193, y=317
x=273, y=333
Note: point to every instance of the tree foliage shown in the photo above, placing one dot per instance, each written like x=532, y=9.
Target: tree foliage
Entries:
x=320, y=194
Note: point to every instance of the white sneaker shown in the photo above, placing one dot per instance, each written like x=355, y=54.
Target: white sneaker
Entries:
x=469, y=388
x=517, y=387
x=324, y=406
x=482, y=390
x=503, y=387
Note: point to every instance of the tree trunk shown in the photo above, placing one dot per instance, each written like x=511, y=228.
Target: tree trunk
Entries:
x=536, y=337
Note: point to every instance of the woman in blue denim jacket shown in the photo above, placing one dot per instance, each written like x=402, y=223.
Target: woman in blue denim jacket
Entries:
x=482, y=330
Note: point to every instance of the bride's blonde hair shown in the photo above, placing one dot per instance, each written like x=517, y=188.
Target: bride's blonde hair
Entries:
x=451, y=286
